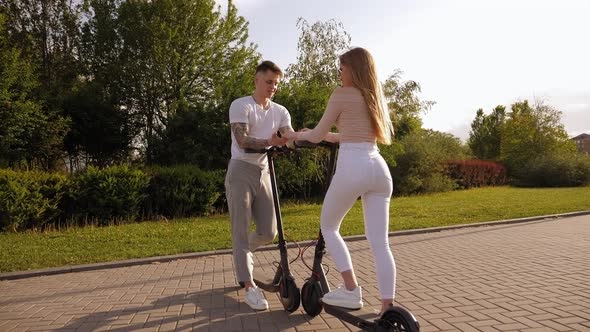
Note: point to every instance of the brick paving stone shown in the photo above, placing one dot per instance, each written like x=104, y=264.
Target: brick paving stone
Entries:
x=530, y=276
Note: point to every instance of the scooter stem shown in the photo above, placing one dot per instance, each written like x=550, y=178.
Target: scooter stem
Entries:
x=283, y=270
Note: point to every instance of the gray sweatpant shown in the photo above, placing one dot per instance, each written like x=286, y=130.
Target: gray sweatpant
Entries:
x=249, y=196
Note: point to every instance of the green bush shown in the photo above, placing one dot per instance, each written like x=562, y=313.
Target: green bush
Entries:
x=111, y=194
x=218, y=178
x=302, y=174
x=420, y=161
x=566, y=170
x=183, y=191
x=390, y=153
x=30, y=200
x=33, y=200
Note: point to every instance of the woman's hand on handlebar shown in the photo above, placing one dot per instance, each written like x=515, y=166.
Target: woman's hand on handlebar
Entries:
x=295, y=135
x=332, y=137
x=291, y=135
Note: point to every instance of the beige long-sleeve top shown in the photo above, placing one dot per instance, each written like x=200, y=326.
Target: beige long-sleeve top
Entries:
x=348, y=111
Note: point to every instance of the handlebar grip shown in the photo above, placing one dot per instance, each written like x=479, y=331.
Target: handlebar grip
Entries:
x=248, y=150
x=308, y=144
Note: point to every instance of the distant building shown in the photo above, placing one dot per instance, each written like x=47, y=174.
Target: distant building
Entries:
x=583, y=143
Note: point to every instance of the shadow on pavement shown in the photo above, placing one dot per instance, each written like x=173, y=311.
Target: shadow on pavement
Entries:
x=208, y=310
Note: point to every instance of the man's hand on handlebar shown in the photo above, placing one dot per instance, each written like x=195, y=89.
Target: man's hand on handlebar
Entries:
x=275, y=140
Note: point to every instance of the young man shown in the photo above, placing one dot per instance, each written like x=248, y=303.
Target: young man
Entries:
x=254, y=121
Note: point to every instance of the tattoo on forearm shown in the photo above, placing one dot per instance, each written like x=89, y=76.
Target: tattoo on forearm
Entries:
x=241, y=132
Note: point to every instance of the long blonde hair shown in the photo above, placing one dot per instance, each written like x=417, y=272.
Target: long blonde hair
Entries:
x=364, y=77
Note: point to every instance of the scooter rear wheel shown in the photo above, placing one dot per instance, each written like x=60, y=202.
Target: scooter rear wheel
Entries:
x=397, y=319
x=291, y=302
x=311, y=293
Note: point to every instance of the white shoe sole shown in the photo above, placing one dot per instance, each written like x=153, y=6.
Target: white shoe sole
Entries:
x=254, y=307
x=344, y=304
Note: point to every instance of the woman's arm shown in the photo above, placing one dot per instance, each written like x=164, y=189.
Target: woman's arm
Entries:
x=322, y=129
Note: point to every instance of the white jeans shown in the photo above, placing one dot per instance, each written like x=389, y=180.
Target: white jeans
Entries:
x=361, y=172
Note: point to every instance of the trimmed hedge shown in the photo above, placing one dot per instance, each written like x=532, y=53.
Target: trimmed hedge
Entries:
x=476, y=173
x=182, y=191
x=30, y=200
x=112, y=194
x=35, y=200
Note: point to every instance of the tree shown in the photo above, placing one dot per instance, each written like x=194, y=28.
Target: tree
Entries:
x=95, y=103
x=101, y=43
x=46, y=34
x=101, y=132
x=530, y=132
x=485, y=137
x=196, y=136
x=404, y=104
x=179, y=54
x=25, y=131
x=46, y=31
x=310, y=81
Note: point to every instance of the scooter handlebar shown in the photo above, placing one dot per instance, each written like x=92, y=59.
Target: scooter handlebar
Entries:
x=275, y=149
x=289, y=148
x=308, y=144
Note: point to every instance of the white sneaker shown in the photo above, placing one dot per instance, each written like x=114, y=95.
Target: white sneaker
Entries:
x=255, y=299
x=341, y=297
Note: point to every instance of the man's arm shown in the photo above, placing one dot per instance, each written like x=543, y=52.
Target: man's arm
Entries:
x=241, y=132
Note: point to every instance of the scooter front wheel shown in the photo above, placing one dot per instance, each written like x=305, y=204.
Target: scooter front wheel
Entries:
x=292, y=300
x=397, y=319
x=311, y=293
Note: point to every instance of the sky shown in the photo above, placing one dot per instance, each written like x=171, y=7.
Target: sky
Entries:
x=465, y=54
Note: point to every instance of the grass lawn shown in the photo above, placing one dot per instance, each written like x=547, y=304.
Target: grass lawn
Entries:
x=30, y=250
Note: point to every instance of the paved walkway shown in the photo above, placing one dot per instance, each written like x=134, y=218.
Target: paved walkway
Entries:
x=532, y=276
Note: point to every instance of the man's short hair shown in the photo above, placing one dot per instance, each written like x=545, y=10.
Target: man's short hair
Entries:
x=269, y=65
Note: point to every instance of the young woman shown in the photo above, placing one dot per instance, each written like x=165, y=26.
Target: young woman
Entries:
x=358, y=111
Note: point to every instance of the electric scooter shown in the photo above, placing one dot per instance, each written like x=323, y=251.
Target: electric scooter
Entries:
x=283, y=281
x=395, y=318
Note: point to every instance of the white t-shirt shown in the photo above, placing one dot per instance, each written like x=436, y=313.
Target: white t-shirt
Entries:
x=261, y=123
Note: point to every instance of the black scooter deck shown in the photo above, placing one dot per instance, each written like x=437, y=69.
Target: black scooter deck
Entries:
x=267, y=286
x=363, y=318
